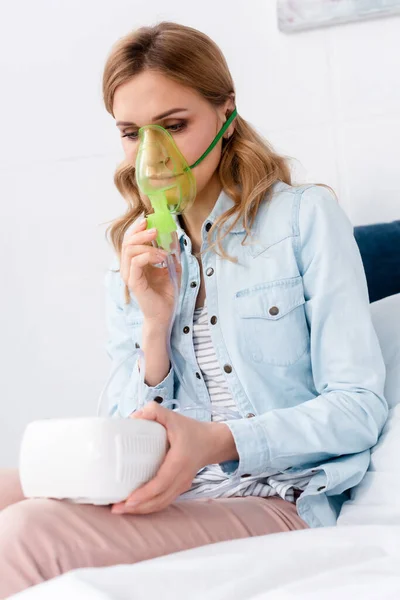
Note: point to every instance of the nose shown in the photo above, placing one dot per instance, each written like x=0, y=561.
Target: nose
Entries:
x=155, y=154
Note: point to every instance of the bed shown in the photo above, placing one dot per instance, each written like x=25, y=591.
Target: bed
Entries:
x=359, y=558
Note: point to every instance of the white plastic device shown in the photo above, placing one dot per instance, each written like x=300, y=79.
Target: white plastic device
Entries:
x=91, y=460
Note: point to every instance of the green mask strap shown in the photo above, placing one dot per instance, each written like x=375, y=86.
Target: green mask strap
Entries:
x=216, y=139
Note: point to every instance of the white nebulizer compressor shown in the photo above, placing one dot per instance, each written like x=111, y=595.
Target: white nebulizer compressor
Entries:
x=102, y=460
x=90, y=460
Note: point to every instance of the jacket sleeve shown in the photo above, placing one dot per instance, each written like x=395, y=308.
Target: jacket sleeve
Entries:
x=123, y=390
x=347, y=365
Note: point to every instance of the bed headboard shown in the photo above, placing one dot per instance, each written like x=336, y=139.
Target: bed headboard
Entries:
x=379, y=246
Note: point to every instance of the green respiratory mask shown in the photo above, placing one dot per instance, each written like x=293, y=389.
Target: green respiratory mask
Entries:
x=163, y=174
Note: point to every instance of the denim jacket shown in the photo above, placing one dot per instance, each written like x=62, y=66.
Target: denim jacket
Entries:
x=290, y=322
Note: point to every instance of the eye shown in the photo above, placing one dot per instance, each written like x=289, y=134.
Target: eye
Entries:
x=131, y=136
x=176, y=127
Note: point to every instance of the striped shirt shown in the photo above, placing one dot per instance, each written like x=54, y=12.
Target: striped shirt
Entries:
x=212, y=481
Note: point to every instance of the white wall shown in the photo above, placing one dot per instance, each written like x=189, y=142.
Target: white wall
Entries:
x=330, y=98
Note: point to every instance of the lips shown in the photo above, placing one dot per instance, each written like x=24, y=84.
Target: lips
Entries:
x=163, y=177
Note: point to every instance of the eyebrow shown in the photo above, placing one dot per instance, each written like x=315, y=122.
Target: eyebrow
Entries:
x=163, y=115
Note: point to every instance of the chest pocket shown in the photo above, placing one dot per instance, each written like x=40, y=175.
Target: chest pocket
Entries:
x=272, y=321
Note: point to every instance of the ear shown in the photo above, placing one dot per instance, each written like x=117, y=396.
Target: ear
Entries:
x=227, y=110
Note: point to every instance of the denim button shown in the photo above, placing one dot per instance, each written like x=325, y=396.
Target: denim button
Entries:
x=213, y=320
x=210, y=271
x=250, y=415
x=274, y=310
x=186, y=329
x=227, y=368
x=208, y=226
x=137, y=345
x=321, y=488
x=198, y=375
x=193, y=284
x=159, y=399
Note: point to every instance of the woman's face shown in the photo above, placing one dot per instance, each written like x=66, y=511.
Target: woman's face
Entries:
x=150, y=97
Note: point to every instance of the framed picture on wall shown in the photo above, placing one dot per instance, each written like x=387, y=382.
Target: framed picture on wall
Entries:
x=295, y=15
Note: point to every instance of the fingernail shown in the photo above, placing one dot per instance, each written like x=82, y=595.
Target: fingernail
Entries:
x=117, y=510
x=152, y=230
x=131, y=504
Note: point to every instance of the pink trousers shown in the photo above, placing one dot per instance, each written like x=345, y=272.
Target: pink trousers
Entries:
x=40, y=539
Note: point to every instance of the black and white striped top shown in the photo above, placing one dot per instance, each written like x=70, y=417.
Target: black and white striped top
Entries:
x=212, y=373
x=212, y=481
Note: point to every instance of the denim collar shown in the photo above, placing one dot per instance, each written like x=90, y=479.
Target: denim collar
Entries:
x=223, y=203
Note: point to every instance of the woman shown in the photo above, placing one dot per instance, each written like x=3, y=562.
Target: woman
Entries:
x=273, y=325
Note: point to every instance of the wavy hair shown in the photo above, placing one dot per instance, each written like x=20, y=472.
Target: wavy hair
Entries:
x=248, y=166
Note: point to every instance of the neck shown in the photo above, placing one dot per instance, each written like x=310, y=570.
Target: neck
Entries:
x=193, y=219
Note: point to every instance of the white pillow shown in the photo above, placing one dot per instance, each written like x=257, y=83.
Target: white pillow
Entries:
x=376, y=500
x=386, y=319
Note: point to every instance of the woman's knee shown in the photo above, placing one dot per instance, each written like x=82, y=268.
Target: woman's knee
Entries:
x=28, y=546
x=28, y=529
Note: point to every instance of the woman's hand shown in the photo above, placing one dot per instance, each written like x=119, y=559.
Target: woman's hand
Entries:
x=152, y=286
x=193, y=445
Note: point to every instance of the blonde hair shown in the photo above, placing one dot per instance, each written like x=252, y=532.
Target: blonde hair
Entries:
x=248, y=166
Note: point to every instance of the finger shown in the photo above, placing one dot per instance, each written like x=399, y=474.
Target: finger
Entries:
x=165, y=479
x=141, y=237
x=152, y=411
x=136, y=226
x=162, y=500
x=135, y=249
x=130, y=251
x=136, y=273
x=155, y=505
x=137, y=414
x=131, y=502
x=153, y=256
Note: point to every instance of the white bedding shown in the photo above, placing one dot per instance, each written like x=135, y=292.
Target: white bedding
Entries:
x=328, y=563
x=376, y=500
x=358, y=559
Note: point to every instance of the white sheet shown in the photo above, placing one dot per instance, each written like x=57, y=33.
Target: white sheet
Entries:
x=386, y=319
x=376, y=500
x=358, y=559
x=329, y=563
